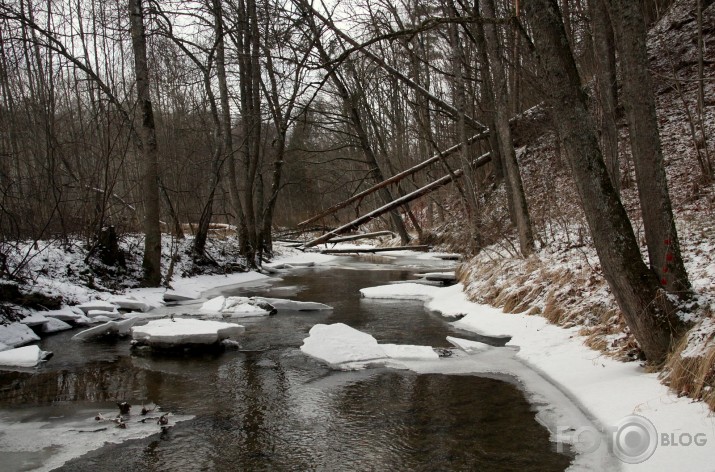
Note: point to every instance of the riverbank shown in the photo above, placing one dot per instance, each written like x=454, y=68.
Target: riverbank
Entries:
x=593, y=392
x=606, y=389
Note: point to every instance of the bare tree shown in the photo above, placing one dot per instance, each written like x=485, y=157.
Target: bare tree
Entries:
x=646, y=308
x=660, y=231
x=150, y=178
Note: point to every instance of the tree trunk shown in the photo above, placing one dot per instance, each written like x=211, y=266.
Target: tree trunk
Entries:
x=648, y=312
x=150, y=169
x=227, y=129
x=604, y=51
x=503, y=132
x=660, y=232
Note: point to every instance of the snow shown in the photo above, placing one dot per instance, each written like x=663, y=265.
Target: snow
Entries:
x=97, y=306
x=110, y=328
x=66, y=314
x=349, y=349
x=54, y=325
x=17, y=334
x=27, y=356
x=167, y=333
x=408, y=291
x=282, y=304
x=236, y=307
x=339, y=344
x=607, y=390
x=405, y=351
x=130, y=303
x=468, y=346
x=35, y=319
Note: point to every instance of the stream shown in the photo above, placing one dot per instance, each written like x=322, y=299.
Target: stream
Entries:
x=268, y=406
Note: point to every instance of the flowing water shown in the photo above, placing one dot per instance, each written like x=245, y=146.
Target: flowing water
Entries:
x=269, y=407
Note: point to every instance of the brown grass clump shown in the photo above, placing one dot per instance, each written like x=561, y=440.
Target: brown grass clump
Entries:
x=552, y=311
x=691, y=371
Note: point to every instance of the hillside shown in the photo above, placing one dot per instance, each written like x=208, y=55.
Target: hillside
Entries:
x=564, y=281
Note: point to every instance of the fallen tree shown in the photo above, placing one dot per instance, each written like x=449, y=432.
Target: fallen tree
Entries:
x=395, y=178
x=372, y=250
x=478, y=162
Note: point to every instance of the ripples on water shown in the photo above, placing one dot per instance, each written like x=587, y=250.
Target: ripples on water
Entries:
x=272, y=408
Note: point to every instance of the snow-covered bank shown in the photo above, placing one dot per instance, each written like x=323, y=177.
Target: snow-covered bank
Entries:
x=608, y=390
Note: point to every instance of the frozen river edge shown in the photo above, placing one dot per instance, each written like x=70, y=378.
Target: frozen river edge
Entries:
x=577, y=391
x=572, y=387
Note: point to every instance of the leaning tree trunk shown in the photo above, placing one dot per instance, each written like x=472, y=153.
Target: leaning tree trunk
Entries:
x=150, y=169
x=647, y=310
x=660, y=232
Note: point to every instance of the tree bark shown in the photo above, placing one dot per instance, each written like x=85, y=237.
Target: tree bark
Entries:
x=648, y=312
x=150, y=168
x=503, y=132
x=604, y=51
x=659, y=225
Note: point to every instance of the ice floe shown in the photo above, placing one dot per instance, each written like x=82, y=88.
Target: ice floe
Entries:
x=97, y=305
x=110, y=328
x=54, y=325
x=347, y=348
x=35, y=319
x=175, y=332
x=17, y=334
x=237, y=307
x=407, y=291
x=282, y=304
x=27, y=356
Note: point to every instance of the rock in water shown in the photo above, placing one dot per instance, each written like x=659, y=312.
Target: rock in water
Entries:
x=167, y=334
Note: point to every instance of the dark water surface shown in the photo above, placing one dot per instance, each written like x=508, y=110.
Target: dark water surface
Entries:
x=269, y=407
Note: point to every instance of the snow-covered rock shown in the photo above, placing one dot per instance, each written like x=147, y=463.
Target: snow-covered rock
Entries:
x=17, y=334
x=130, y=303
x=168, y=333
x=97, y=305
x=65, y=314
x=94, y=314
x=408, y=291
x=289, y=265
x=54, y=325
x=110, y=328
x=35, y=319
x=347, y=348
x=339, y=343
x=27, y=356
x=282, y=304
x=237, y=307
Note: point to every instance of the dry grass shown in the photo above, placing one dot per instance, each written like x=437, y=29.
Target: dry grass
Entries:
x=693, y=375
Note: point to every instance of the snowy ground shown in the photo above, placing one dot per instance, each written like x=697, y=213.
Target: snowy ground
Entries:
x=558, y=369
x=582, y=396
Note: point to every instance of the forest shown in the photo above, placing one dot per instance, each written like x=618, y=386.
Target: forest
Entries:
x=525, y=126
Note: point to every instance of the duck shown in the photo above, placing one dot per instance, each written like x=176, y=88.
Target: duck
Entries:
x=163, y=419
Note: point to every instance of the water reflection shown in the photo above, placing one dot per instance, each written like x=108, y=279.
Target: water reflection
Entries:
x=269, y=407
